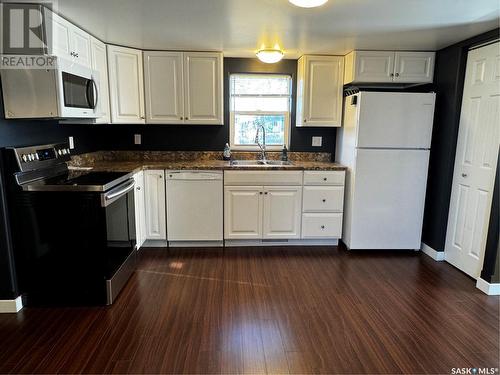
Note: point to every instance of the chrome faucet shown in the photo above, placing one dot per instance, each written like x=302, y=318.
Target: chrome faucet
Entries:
x=263, y=145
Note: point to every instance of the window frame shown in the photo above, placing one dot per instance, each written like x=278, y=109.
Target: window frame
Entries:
x=287, y=114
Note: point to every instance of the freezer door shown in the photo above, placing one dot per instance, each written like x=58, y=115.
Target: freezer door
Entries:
x=395, y=120
x=388, y=194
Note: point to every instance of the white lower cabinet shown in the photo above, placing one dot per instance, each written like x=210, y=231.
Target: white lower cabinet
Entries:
x=282, y=208
x=243, y=212
x=155, y=210
x=323, y=204
x=321, y=225
x=140, y=223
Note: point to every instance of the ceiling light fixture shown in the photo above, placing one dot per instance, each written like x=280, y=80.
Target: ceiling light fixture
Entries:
x=270, y=55
x=308, y=3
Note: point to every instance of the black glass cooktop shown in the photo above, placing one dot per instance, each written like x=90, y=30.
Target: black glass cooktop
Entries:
x=93, y=178
x=80, y=181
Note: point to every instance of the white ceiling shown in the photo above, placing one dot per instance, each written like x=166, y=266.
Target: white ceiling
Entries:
x=239, y=27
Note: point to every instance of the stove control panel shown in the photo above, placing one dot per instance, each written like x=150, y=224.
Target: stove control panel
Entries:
x=35, y=157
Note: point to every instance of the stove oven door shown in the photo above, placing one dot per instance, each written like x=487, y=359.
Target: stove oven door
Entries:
x=119, y=207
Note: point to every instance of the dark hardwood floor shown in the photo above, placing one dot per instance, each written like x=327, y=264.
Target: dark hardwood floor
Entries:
x=267, y=310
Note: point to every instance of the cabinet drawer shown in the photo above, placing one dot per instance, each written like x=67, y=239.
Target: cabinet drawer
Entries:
x=321, y=225
x=323, y=199
x=324, y=177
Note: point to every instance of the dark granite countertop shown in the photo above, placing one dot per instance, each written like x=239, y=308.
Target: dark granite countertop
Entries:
x=132, y=166
x=130, y=161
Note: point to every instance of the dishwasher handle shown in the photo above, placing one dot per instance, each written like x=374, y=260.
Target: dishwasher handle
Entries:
x=194, y=176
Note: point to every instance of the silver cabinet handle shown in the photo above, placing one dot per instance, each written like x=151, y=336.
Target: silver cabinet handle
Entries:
x=464, y=174
x=322, y=227
x=138, y=188
x=325, y=179
x=397, y=74
x=260, y=192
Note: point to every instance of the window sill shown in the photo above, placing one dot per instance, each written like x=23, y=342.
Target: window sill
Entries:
x=255, y=149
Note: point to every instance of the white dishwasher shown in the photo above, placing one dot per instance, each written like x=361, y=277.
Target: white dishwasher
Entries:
x=194, y=205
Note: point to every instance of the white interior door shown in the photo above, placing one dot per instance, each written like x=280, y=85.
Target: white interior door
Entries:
x=475, y=161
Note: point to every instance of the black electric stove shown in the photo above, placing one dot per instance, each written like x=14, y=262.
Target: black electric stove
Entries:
x=73, y=232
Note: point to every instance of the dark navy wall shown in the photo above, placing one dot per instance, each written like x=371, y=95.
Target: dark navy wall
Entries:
x=163, y=137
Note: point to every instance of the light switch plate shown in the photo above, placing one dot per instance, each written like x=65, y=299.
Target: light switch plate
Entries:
x=317, y=141
x=137, y=139
x=71, y=143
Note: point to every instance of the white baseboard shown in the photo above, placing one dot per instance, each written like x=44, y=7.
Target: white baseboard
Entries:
x=491, y=289
x=438, y=256
x=11, y=305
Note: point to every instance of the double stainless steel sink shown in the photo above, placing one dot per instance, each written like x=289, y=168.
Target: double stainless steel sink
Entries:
x=260, y=163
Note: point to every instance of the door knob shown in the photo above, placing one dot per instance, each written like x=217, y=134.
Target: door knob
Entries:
x=464, y=174
x=397, y=74
x=324, y=200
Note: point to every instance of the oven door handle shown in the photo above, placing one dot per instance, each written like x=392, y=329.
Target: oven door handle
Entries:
x=119, y=191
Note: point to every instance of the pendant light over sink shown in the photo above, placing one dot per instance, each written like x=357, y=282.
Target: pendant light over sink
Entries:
x=270, y=55
x=308, y=3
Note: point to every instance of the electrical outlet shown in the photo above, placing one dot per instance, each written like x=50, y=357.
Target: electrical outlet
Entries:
x=317, y=141
x=71, y=143
x=137, y=139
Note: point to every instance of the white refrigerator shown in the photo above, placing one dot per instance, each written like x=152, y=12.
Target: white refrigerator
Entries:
x=385, y=142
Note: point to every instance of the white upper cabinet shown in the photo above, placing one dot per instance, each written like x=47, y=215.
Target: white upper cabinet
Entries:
x=126, y=85
x=319, y=91
x=183, y=87
x=66, y=40
x=389, y=67
x=370, y=66
x=203, y=88
x=414, y=67
x=164, y=90
x=100, y=63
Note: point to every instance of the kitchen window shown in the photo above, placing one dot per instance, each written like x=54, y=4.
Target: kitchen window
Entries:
x=260, y=100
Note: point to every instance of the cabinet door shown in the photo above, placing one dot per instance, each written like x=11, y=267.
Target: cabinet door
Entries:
x=81, y=46
x=203, y=88
x=154, y=196
x=243, y=212
x=373, y=66
x=414, y=67
x=163, y=86
x=140, y=224
x=282, y=212
x=321, y=91
x=58, y=34
x=126, y=85
x=100, y=63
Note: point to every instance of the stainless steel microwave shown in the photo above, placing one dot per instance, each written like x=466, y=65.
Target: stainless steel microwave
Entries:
x=65, y=91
